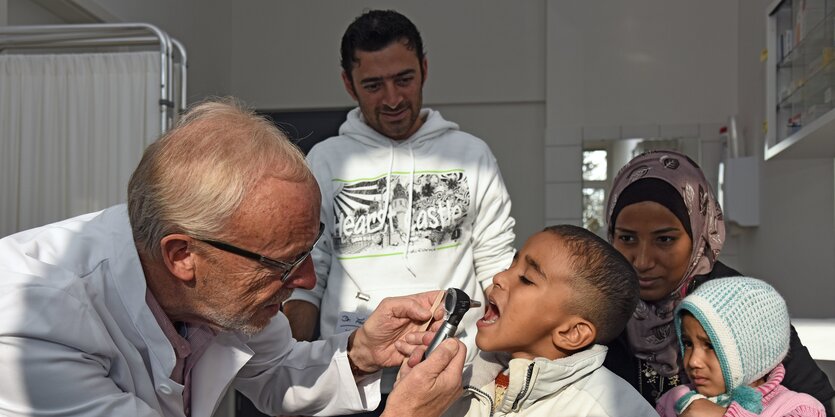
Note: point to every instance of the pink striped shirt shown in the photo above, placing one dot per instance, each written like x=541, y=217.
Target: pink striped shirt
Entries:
x=188, y=349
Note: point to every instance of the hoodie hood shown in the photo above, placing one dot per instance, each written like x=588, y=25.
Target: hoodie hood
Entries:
x=356, y=128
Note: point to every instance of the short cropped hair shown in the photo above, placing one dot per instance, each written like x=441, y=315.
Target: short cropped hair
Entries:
x=196, y=176
x=375, y=30
x=604, y=283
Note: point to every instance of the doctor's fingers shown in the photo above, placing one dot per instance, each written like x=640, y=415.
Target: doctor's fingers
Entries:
x=412, y=341
x=444, y=366
x=416, y=307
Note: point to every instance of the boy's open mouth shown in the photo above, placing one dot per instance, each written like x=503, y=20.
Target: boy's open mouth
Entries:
x=492, y=314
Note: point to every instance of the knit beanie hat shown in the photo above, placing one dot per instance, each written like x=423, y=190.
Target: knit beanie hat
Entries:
x=748, y=324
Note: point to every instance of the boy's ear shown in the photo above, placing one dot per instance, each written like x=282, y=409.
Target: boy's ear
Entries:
x=178, y=256
x=574, y=334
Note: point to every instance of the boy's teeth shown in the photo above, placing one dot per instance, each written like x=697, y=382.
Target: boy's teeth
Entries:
x=492, y=314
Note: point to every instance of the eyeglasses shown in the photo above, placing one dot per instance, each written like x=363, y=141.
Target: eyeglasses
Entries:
x=287, y=268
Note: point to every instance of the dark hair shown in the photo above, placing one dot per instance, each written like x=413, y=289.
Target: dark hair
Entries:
x=605, y=284
x=375, y=30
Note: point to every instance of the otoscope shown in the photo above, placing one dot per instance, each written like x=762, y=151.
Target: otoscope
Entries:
x=456, y=303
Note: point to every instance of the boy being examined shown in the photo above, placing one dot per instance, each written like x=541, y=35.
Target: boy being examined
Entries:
x=566, y=294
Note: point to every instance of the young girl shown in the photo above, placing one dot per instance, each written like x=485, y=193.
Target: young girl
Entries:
x=733, y=334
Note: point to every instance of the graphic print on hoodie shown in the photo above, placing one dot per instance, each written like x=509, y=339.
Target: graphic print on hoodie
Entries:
x=375, y=217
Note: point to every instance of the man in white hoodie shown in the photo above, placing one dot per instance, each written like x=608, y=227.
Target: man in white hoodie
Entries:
x=409, y=202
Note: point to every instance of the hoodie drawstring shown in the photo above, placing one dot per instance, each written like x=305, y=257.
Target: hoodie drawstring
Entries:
x=387, y=202
x=409, y=211
x=388, y=186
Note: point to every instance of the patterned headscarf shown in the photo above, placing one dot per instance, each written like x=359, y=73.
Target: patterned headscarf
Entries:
x=650, y=330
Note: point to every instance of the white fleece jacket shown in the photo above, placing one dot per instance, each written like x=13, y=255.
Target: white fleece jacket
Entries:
x=574, y=386
x=429, y=212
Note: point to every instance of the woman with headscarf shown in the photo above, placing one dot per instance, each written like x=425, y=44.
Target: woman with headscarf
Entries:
x=664, y=218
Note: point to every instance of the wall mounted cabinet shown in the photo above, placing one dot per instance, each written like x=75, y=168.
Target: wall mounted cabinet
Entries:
x=800, y=78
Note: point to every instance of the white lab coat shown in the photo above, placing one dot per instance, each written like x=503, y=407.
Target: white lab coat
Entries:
x=77, y=338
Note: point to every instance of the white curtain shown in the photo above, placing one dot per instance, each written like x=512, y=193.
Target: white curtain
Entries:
x=72, y=129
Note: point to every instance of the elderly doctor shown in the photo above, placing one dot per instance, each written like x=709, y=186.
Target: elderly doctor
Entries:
x=159, y=307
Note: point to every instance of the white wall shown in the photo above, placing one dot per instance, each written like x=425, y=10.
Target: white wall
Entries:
x=202, y=26
x=641, y=62
x=514, y=132
x=637, y=68
x=285, y=55
x=26, y=12
x=793, y=247
x=469, y=60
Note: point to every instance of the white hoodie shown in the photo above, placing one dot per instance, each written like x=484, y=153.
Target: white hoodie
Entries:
x=459, y=232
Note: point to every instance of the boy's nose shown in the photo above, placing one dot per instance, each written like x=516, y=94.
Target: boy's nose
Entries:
x=499, y=280
x=488, y=289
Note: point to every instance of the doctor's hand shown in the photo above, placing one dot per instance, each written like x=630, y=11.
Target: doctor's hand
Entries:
x=428, y=388
x=372, y=346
